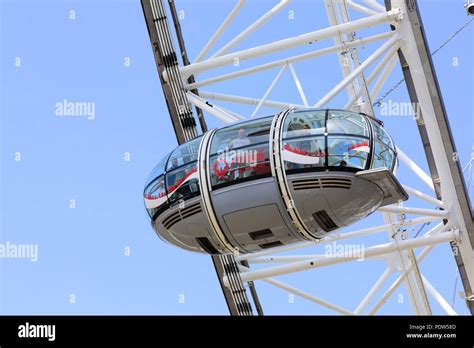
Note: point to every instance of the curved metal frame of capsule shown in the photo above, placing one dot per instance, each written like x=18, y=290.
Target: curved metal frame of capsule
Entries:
x=279, y=173
x=205, y=187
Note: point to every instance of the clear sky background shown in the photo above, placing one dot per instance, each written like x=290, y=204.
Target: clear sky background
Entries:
x=83, y=266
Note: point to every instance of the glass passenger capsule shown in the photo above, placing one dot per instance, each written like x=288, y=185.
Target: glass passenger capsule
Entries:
x=272, y=181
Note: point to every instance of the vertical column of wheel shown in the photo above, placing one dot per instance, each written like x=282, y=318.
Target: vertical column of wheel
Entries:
x=278, y=172
x=236, y=286
x=205, y=186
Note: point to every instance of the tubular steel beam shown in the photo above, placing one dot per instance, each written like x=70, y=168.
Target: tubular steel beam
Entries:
x=368, y=252
x=286, y=44
x=433, y=125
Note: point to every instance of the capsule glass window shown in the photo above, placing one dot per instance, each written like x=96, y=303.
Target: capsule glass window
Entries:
x=384, y=157
x=381, y=135
x=155, y=196
x=304, y=123
x=240, y=165
x=182, y=183
x=158, y=170
x=241, y=135
x=347, y=122
x=347, y=152
x=240, y=153
x=184, y=154
x=303, y=140
x=304, y=153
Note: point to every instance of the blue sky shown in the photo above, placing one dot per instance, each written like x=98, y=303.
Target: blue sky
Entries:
x=82, y=250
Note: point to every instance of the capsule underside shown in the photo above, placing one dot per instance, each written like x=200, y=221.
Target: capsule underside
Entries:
x=273, y=181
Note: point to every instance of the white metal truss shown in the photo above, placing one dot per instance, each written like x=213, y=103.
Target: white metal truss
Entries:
x=469, y=168
x=402, y=253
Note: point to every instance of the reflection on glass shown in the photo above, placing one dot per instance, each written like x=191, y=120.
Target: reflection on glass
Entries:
x=182, y=183
x=381, y=134
x=346, y=122
x=304, y=123
x=349, y=152
x=237, y=165
x=155, y=195
x=304, y=153
x=184, y=154
x=241, y=135
x=383, y=156
x=158, y=170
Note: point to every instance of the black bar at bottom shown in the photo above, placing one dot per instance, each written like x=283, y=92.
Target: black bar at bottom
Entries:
x=287, y=331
